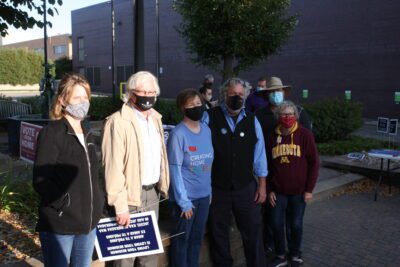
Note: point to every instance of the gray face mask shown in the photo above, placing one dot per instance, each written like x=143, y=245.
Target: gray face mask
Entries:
x=78, y=111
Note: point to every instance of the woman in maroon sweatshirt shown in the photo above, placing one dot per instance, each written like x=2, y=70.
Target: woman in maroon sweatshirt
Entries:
x=293, y=171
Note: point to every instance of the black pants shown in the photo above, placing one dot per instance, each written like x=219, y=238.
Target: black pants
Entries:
x=248, y=220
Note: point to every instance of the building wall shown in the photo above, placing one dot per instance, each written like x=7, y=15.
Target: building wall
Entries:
x=52, y=42
x=338, y=45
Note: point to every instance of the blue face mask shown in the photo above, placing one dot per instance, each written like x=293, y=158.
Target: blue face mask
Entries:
x=276, y=98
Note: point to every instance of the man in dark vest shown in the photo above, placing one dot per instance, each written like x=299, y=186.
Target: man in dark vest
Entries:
x=238, y=176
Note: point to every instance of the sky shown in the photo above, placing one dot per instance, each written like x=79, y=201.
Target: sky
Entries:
x=61, y=22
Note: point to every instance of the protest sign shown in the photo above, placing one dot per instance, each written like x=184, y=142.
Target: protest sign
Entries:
x=383, y=125
x=140, y=238
x=393, y=127
x=28, y=141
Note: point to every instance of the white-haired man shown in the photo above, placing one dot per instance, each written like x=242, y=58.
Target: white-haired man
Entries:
x=134, y=156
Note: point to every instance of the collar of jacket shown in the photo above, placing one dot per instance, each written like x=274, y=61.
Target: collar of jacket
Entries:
x=70, y=130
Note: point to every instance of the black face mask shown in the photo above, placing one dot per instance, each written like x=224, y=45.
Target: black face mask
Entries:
x=195, y=113
x=145, y=102
x=234, y=102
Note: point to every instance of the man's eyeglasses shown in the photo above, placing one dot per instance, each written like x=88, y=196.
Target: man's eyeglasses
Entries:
x=142, y=92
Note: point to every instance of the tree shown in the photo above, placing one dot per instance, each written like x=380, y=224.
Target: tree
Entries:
x=12, y=14
x=238, y=33
x=63, y=65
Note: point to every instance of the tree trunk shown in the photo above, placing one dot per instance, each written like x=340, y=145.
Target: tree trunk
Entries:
x=228, y=67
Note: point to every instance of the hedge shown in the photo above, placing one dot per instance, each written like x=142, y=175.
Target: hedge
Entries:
x=101, y=107
x=20, y=66
x=334, y=119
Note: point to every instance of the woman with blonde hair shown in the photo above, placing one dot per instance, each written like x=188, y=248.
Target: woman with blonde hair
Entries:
x=65, y=176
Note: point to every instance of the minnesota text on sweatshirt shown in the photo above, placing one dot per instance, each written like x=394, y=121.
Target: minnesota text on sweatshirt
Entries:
x=293, y=161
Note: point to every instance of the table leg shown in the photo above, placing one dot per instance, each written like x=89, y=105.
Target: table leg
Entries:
x=379, y=180
x=390, y=178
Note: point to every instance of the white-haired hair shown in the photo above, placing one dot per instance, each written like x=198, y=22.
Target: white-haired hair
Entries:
x=232, y=82
x=139, y=79
x=284, y=105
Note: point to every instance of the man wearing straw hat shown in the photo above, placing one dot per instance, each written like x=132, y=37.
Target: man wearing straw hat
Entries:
x=276, y=93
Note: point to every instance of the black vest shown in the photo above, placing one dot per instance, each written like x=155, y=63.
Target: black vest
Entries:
x=232, y=167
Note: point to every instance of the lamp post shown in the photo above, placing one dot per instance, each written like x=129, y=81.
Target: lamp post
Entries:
x=46, y=82
x=112, y=50
x=158, y=39
x=138, y=34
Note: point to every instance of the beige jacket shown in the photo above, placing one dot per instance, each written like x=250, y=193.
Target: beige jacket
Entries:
x=123, y=159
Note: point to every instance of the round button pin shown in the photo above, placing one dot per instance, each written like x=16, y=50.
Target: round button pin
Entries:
x=241, y=134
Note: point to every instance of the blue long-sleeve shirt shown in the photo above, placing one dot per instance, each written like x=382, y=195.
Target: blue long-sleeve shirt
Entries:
x=190, y=157
x=260, y=159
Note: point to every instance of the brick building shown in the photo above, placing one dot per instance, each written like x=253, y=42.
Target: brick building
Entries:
x=57, y=46
x=337, y=45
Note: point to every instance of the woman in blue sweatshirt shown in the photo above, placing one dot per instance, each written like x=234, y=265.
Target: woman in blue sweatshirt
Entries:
x=190, y=156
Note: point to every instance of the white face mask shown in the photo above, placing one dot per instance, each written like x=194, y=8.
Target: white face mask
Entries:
x=78, y=111
x=208, y=98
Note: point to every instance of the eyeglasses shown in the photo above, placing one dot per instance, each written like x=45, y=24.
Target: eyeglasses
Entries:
x=142, y=92
x=286, y=115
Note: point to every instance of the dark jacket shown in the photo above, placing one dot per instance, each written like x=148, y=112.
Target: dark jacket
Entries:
x=66, y=178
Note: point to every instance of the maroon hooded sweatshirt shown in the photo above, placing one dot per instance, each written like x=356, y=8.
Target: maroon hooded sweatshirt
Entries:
x=293, y=162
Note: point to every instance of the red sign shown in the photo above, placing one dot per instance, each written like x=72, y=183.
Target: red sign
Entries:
x=28, y=141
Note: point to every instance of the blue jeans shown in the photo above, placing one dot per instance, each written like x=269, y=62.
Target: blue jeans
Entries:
x=185, y=248
x=63, y=250
x=296, y=205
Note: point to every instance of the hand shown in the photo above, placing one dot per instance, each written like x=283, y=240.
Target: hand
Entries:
x=123, y=219
x=187, y=214
x=261, y=194
x=272, y=199
x=307, y=196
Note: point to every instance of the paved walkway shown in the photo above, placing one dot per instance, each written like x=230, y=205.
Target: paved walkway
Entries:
x=353, y=230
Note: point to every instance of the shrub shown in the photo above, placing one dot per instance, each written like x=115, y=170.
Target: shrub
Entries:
x=170, y=113
x=17, y=194
x=101, y=107
x=62, y=65
x=35, y=102
x=20, y=66
x=352, y=144
x=334, y=119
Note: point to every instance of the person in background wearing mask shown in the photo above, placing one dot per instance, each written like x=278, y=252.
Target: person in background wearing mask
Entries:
x=256, y=99
x=208, y=81
x=135, y=156
x=65, y=175
x=239, y=157
x=276, y=93
x=206, y=93
x=293, y=171
x=190, y=157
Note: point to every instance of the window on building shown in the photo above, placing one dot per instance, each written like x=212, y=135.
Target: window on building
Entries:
x=81, y=49
x=60, y=49
x=82, y=71
x=39, y=50
x=123, y=73
x=93, y=75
